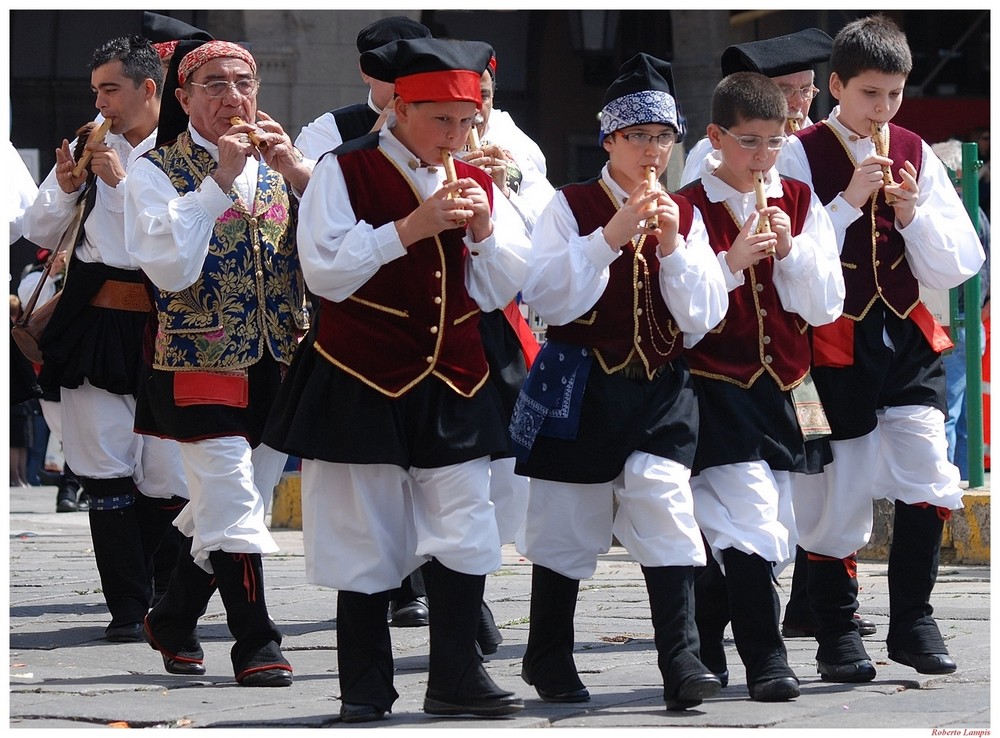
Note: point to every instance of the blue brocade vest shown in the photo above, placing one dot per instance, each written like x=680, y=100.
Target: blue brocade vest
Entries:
x=251, y=294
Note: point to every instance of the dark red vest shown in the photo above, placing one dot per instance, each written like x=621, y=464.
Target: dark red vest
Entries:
x=414, y=317
x=757, y=335
x=630, y=322
x=874, y=259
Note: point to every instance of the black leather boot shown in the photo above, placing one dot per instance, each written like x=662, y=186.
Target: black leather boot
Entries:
x=171, y=626
x=457, y=683
x=548, y=663
x=833, y=594
x=256, y=655
x=755, y=609
x=686, y=680
x=914, y=639
x=711, y=615
x=118, y=552
x=161, y=541
x=364, y=657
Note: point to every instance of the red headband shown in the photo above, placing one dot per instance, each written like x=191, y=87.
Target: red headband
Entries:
x=212, y=50
x=452, y=85
x=165, y=49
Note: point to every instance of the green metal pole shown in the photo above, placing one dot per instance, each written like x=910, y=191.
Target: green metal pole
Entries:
x=973, y=330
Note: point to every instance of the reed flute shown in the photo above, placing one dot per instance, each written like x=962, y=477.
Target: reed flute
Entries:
x=448, y=160
x=96, y=136
x=764, y=224
x=652, y=185
x=882, y=149
x=793, y=124
x=254, y=138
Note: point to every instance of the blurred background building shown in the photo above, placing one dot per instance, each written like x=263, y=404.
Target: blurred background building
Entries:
x=553, y=68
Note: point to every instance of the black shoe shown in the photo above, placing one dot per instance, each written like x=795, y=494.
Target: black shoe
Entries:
x=83, y=503
x=66, y=504
x=781, y=689
x=693, y=690
x=925, y=663
x=413, y=614
x=866, y=627
x=496, y=705
x=723, y=677
x=853, y=672
x=127, y=633
x=190, y=663
x=275, y=676
x=353, y=713
x=571, y=695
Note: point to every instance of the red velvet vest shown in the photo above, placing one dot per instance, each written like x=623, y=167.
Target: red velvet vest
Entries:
x=630, y=322
x=757, y=335
x=414, y=318
x=873, y=257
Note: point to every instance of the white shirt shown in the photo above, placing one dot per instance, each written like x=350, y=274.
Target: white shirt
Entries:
x=569, y=271
x=942, y=247
x=809, y=280
x=535, y=191
x=104, y=240
x=168, y=233
x=21, y=189
x=339, y=253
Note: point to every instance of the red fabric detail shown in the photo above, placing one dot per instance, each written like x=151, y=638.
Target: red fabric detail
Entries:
x=249, y=580
x=833, y=344
x=448, y=85
x=933, y=331
x=382, y=334
x=165, y=49
x=211, y=388
x=880, y=271
x=610, y=326
x=735, y=348
x=529, y=344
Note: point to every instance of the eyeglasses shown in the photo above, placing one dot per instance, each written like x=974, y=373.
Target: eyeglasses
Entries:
x=754, y=142
x=220, y=87
x=806, y=93
x=644, y=139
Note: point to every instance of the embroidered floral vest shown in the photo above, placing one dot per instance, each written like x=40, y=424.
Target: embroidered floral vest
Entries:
x=874, y=257
x=251, y=295
x=757, y=335
x=630, y=323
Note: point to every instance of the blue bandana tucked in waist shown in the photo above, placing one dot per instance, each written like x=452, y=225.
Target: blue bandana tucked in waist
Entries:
x=550, y=400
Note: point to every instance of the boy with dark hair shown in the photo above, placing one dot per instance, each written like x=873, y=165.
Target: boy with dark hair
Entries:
x=624, y=276
x=93, y=343
x=750, y=442
x=878, y=368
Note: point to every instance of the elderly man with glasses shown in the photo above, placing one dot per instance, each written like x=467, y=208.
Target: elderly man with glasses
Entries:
x=210, y=217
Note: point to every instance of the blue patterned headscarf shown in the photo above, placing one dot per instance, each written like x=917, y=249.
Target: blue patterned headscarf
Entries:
x=643, y=93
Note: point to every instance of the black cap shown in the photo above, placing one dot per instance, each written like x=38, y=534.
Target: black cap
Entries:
x=173, y=120
x=643, y=93
x=159, y=28
x=393, y=28
x=430, y=69
x=774, y=57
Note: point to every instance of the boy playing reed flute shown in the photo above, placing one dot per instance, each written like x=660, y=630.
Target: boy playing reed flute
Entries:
x=878, y=368
x=750, y=441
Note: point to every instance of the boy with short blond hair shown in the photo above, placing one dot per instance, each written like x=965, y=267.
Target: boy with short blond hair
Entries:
x=878, y=369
